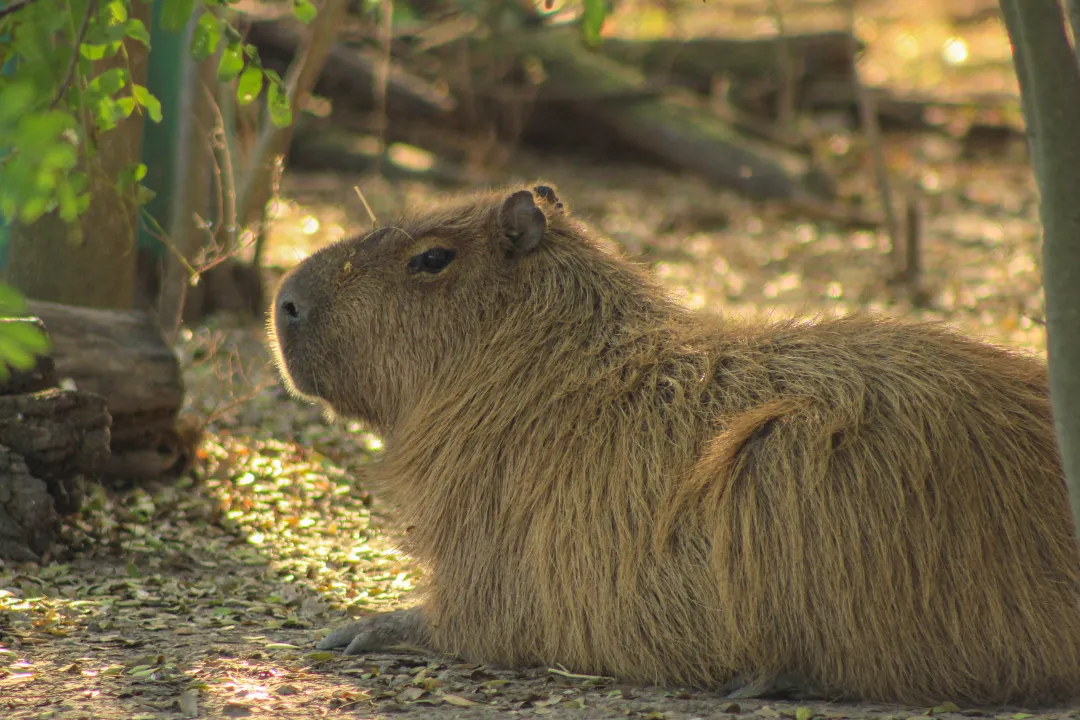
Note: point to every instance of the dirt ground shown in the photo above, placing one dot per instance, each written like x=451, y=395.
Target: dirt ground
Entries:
x=204, y=597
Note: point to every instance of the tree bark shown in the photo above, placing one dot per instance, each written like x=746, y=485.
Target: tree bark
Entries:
x=29, y=523
x=1049, y=78
x=62, y=435
x=97, y=270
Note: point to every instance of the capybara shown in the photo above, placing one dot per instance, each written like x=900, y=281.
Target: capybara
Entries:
x=593, y=475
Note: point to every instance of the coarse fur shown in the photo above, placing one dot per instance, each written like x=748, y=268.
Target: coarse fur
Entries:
x=592, y=475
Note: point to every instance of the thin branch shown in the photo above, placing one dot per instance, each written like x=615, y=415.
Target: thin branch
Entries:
x=785, y=105
x=868, y=119
x=307, y=64
x=1072, y=8
x=14, y=8
x=69, y=76
x=223, y=158
x=382, y=77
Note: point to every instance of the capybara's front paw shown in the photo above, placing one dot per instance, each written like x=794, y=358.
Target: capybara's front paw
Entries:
x=378, y=632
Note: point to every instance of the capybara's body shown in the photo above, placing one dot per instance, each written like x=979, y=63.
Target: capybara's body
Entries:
x=594, y=476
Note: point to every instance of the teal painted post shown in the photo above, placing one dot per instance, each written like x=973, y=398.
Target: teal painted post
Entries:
x=164, y=151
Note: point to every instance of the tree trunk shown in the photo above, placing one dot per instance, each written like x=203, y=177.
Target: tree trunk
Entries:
x=97, y=270
x=1050, y=88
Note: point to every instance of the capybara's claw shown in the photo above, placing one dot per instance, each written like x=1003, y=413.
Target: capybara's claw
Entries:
x=376, y=633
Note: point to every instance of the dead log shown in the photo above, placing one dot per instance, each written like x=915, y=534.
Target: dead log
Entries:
x=679, y=130
x=350, y=73
x=29, y=522
x=695, y=62
x=39, y=377
x=62, y=435
x=123, y=357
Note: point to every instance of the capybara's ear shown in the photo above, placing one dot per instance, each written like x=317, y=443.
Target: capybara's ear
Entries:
x=522, y=223
x=548, y=195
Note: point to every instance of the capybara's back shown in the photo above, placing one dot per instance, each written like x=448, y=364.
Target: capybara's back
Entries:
x=593, y=476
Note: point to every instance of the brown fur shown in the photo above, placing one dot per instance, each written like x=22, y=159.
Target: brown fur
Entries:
x=594, y=476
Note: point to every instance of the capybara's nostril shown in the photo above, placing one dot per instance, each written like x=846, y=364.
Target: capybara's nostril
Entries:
x=291, y=308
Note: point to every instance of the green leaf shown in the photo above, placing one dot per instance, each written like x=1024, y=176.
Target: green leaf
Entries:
x=277, y=102
x=304, y=10
x=111, y=81
x=27, y=335
x=176, y=13
x=945, y=707
x=14, y=354
x=12, y=302
x=117, y=12
x=143, y=195
x=250, y=85
x=803, y=713
x=232, y=62
x=137, y=31
x=130, y=175
x=95, y=52
x=592, y=21
x=107, y=113
x=16, y=99
x=205, y=37
x=148, y=101
x=68, y=202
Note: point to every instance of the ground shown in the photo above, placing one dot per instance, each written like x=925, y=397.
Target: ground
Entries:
x=204, y=596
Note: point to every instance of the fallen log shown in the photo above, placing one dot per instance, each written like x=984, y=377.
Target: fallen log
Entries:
x=62, y=435
x=29, y=522
x=679, y=130
x=123, y=357
x=695, y=62
x=349, y=75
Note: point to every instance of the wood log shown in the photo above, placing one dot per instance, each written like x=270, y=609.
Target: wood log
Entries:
x=695, y=62
x=677, y=129
x=62, y=435
x=123, y=357
x=39, y=377
x=350, y=73
x=29, y=522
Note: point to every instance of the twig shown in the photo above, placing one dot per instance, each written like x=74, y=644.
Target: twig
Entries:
x=227, y=177
x=868, y=118
x=1072, y=8
x=307, y=65
x=382, y=78
x=560, y=670
x=13, y=8
x=367, y=207
x=69, y=76
x=785, y=103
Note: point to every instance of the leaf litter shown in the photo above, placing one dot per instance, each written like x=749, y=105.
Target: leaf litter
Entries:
x=203, y=597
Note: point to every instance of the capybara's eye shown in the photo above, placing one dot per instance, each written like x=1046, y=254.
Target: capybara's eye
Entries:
x=431, y=261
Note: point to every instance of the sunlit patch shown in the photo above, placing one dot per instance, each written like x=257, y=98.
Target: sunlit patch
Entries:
x=907, y=45
x=310, y=225
x=410, y=157
x=834, y=290
x=955, y=51
x=805, y=233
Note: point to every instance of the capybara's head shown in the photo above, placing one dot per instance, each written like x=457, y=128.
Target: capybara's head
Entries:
x=368, y=322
